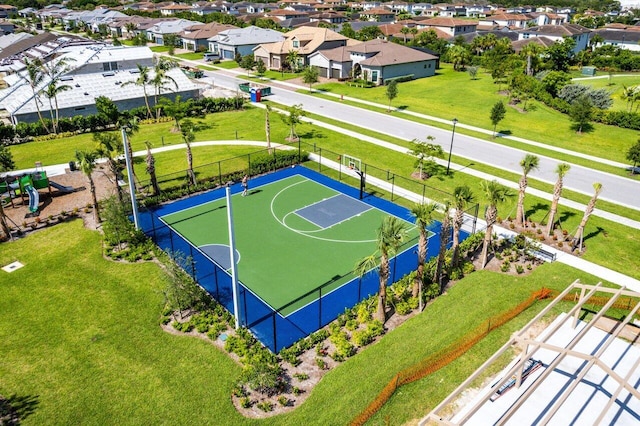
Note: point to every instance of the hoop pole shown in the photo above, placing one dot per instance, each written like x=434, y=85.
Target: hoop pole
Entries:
x=232, y=257
x=132, y=188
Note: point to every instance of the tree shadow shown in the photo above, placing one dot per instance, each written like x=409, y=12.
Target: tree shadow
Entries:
x=584, y=128
x=536, y=208
x=402, y=107
x=17, y=408
x=599, y=230
x=312, y=134
x=502, y=133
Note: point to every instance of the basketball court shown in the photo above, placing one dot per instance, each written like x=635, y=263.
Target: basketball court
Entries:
x=298, y=237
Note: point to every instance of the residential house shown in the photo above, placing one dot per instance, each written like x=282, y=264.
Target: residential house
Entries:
x=370, y=5
x=157, y=32
x=558, y=32
x=206, y=9
x=39, y=46
x=242, y=41
x=628, y=39
x=27, y=12
x=91, y=18
x=450, y=26
x=98, y=70
x=195, y=38
x=6, y=27
x=282, y=14
x=120, y=27
x=8, y=11
x=375, y=60
x=172, y=9
x=508, y=20
x=378, y=15
x=303, y=41
x=478, y=11
x=328, y=17
x=542, y=41
x=260, y=7
x=549, y=19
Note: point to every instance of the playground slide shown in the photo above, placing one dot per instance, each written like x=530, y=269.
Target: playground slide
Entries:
x=61, y=188
x=34, y=198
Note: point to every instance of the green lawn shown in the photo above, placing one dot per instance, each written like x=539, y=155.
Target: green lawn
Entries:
x=228, y=65
x=190, y=55
x=615, y=84
x=160, y=49
x=90, y=350
x=452, y=94
x=609, y=244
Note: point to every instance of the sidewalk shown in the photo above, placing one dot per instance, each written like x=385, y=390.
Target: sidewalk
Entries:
x=562, y=257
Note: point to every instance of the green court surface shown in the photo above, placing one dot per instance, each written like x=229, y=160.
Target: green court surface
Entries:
x=282, y=255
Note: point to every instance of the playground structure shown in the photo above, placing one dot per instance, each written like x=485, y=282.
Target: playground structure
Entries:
x=13, y=187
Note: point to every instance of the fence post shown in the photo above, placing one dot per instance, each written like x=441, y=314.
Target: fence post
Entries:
x=220, y=172
x=393, y=185
x=320, y=160
x=275, y=334
x=320, y=307
x=171, y=239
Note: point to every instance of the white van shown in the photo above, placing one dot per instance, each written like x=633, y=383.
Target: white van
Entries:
x=210, y=56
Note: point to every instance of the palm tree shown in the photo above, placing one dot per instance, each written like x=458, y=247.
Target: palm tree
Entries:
x=142, y=81
x=54, y=71
x=151, y=169
x=495, y=194
x=36, y=77
x=87, y=164
x=391, y=235
x=445, y=230
x=423, y=212
x=577, y=240
x=561, y=171
x=161, y=80
x=188, y=136
x=109, y=146
x=529, y=163
x=51, y=91
x=267, y=127
x=462, y=198
x=458, y=56
x=405, y=31
x=130, y=27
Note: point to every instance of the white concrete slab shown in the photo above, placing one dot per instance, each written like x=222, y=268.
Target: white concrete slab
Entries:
x=12, y=266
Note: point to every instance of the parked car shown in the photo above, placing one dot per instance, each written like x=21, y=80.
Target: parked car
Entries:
x=210, y=56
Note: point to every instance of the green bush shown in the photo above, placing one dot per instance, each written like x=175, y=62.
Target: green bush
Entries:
x=403, y=308
x=246, y=402
x=283, y=400
x=301, y=376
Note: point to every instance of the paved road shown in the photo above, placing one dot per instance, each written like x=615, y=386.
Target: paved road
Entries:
x=616, y=189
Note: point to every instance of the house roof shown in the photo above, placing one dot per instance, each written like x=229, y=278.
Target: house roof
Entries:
x=391, y=29
x=388, y=53
x=447, y=22
x=247, y=36
x=619, y=36
x=10, y=39
x=338, y=54
x=561, y=30
x=377, y=12
x=26, y=44
x=204, y=31
x=545, y=42
x=312, y=35
x=173, y=26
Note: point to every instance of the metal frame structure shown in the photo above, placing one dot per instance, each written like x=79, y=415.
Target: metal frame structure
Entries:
x=530, y=348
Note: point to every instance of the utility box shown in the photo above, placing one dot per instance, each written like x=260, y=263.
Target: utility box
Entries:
x=589, y=71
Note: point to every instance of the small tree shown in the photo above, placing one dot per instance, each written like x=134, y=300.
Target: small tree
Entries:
x=581, y=112
x=171, y=41
x=261, y=68
x=633, y=155
x=181, y=293
x=294, y=116
x=6, y=159
x=392, y=92
x=189, y=136
x=473, y=72
x=425, y=152
x=310, y=76
x=497, y=115
x=248, y=63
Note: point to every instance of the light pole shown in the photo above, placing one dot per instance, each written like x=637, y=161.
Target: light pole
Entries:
x=453, y=134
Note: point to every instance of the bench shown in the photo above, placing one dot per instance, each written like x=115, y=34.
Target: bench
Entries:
x=543, y=254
